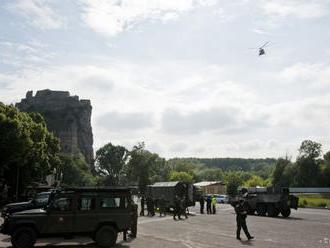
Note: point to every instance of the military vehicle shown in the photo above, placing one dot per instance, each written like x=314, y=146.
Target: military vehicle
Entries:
x=168, y=190
x=39, y=201
x=100, y=213
x=270, y=201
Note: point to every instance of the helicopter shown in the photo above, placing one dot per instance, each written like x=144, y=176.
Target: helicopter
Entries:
x=261, y=48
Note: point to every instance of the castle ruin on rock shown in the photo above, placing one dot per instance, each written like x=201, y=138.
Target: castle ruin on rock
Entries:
x=67, y=116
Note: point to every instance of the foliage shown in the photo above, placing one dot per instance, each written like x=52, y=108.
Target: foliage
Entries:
x=110, y=162
x=233, y=182
x=279, y=178
x=140, y=170
x=181, y=176
x=256, y=181
x=310, y=149
x=75, y=171
x=314, y=200
x=28, y=151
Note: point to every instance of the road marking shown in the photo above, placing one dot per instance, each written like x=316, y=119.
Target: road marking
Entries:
x=154, y=219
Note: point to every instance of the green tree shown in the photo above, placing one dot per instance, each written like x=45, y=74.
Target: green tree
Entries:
x=233, y=182
x=310, y=149
x=75, y=171
x=139, y=169
x=308, y=168
x=210, y=174
x=256, y=181
x=110, y=162
x=28, y=151
x=278, y=178
x=326, y=170
x=181, y=176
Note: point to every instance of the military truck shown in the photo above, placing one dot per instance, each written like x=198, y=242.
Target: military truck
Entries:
x=168, y=190
x=270, y=201
x=100, y=213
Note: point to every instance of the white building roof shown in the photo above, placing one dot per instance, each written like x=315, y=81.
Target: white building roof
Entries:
x=207, y=183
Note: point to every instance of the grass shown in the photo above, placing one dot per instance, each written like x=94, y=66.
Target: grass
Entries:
x=314, y=200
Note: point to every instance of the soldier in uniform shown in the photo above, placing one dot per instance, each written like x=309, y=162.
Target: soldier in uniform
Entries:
x=241, y=214
x=142, y=206
x=177, y=208
x=208, y=204
x=183, y=207
x=201, y=203
x=150, y=206
x=162, y=206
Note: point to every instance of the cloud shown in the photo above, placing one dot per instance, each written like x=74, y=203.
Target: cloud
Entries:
x=117, y=121
x=303, y=9
x=310, y=75
x=26, y=54
x=38, y=13
x=111, y=17
x=224, y=120
x=97, y=82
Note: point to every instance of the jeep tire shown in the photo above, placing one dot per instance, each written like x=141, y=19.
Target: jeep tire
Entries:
x=106, y=236
x=23, y=237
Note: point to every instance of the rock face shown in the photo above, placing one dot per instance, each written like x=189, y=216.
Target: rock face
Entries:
x=67, y=116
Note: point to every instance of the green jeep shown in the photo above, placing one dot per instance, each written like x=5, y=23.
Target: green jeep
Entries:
x=96, y=212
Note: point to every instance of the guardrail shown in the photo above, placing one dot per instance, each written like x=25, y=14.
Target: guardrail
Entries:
x=309, y=190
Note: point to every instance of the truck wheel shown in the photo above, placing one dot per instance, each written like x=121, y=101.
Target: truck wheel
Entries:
x=106, y=236
x=23, y=237
x=261, y=209
x=250, y=210
x=285, y=212
x=272, y=211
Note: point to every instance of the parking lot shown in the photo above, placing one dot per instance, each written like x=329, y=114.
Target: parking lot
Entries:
x=305, y=228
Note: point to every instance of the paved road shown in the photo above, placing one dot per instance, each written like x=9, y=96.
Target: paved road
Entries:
x=305, y=228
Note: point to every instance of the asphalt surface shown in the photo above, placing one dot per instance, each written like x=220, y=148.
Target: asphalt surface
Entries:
x=305, y=228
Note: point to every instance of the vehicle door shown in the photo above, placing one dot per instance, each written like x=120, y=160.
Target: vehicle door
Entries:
x=85, y=219
x=60, y=213
x=115, y=208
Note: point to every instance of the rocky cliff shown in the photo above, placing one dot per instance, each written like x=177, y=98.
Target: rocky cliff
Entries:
x=67, y=116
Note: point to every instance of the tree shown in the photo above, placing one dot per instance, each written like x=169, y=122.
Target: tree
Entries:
x=181, y=176
x=308, y=168
x=75, y=171
x=326, y=170
x=256, y=181
x=139, y=169
x=210, y=174
x=310, y=149
x=110, y=162
x=279, y=178
x=28, y=151
x=233, y=182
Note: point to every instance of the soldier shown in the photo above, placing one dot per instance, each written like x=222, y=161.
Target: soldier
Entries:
x=208, y=204
x=177, y=209
x=241, y=214
x=142, y=206
x=201, y=203
x=162, y=206
x=150, y=206
x=183, y=207
x=213, y=204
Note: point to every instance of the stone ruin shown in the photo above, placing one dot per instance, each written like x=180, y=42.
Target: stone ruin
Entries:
x=67, y=117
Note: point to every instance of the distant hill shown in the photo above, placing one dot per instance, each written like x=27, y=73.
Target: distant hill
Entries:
x=232, y=163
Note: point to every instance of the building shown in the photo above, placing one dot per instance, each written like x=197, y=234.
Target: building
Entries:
x=212, y=187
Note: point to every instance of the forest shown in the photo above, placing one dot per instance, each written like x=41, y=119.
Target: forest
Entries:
x=29, y=152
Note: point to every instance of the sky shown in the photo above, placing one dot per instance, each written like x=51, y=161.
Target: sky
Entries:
x=179, y=75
